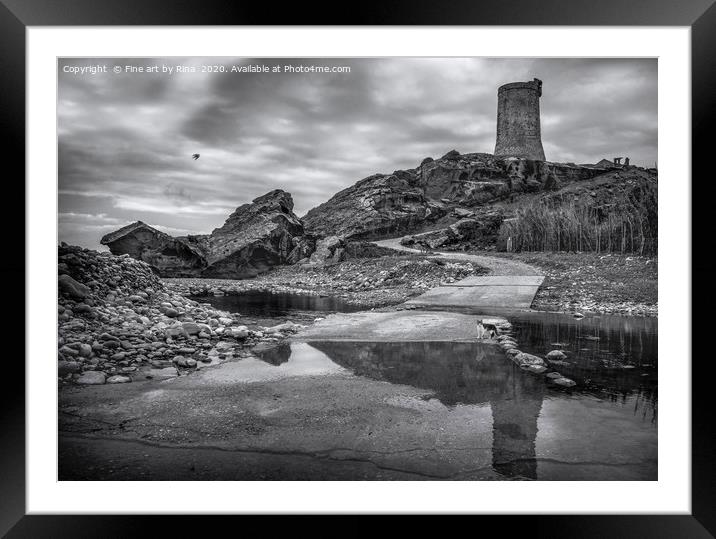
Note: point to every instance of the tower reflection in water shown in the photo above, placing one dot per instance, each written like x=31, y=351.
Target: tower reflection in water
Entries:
x=458, y=374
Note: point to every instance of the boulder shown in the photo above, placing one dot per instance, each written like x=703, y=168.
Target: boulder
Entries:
x=479, y=231
x=536, y=369
x=524, y=359
x=330, y=250
x=191, y=328
x=564, y=382
x=160, y=373
x=239, y=332
x=556, y=355
x=71, y=288
x=185, y=362
x=67, y=367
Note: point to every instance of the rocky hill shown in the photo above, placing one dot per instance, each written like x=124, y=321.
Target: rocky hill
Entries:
x=412, y=200
x=458, y=201
x=254, y=238
x=615, y=211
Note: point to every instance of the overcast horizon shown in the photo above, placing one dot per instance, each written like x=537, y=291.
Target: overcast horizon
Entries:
x=125, y=141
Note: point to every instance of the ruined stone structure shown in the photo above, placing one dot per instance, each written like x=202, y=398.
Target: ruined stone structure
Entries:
x=518, y=121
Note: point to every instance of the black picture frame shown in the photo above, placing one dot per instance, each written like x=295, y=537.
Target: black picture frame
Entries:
x=699, y=15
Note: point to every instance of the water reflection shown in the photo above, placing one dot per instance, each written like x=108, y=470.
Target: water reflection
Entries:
x=605, y=428
x=609, y=417
x=273, y=354
x=265, y=304
x=459, y=374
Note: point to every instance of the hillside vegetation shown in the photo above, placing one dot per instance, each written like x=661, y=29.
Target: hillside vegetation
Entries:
x=608, y=215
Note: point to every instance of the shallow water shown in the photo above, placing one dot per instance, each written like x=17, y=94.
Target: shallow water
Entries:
x=603, y=429
x=268, y=304
x=612, y=357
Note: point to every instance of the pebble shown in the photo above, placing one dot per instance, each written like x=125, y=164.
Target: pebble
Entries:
x=91, y=378
x=67, y=367
x=190, y=328
x=537, y=369
x=119, y=379
x=564, y=382
x=186, y=362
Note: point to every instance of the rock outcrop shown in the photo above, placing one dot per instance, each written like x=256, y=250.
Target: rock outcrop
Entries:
x=254, y=238
x=476, y=230
x=377, y=206
x=409, y=200
x=330, y=250
x=175, y=257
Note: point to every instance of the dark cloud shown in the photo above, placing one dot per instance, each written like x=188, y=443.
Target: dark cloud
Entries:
x=125, y=140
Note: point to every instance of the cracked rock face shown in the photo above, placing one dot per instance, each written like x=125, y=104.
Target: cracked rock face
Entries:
x=254, y=238
x=376, y=206
x=385, y=205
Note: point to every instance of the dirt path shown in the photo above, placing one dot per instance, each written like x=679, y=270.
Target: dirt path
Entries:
x=509, y=285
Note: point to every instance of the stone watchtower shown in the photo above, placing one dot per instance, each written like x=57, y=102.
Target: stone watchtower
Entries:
x=518, y=122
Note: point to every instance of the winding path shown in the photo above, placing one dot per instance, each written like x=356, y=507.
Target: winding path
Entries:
x=510, y=284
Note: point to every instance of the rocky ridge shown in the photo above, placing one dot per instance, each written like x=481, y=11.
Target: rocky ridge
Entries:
x=409, y=200
x=460, y=200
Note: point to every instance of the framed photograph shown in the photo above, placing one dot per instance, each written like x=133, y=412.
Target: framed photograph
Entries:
x=404, y=267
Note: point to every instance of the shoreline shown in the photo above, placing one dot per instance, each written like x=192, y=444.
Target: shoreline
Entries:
x=372, y=283
x=574, y=283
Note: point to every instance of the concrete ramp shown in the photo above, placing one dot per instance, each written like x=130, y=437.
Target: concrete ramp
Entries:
x=493, y=291
x=395, y=326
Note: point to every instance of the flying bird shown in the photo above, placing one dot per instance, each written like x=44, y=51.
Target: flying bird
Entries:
x=195, y=156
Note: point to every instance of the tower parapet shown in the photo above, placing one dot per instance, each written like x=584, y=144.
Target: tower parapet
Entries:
x=518, y=121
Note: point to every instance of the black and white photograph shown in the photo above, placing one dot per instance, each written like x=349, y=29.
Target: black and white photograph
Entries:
x=357, y=269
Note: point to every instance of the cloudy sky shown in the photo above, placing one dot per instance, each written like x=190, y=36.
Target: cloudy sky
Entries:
x=126, y=140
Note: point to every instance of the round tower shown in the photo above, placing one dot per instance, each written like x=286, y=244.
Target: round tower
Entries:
x=518, y=122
